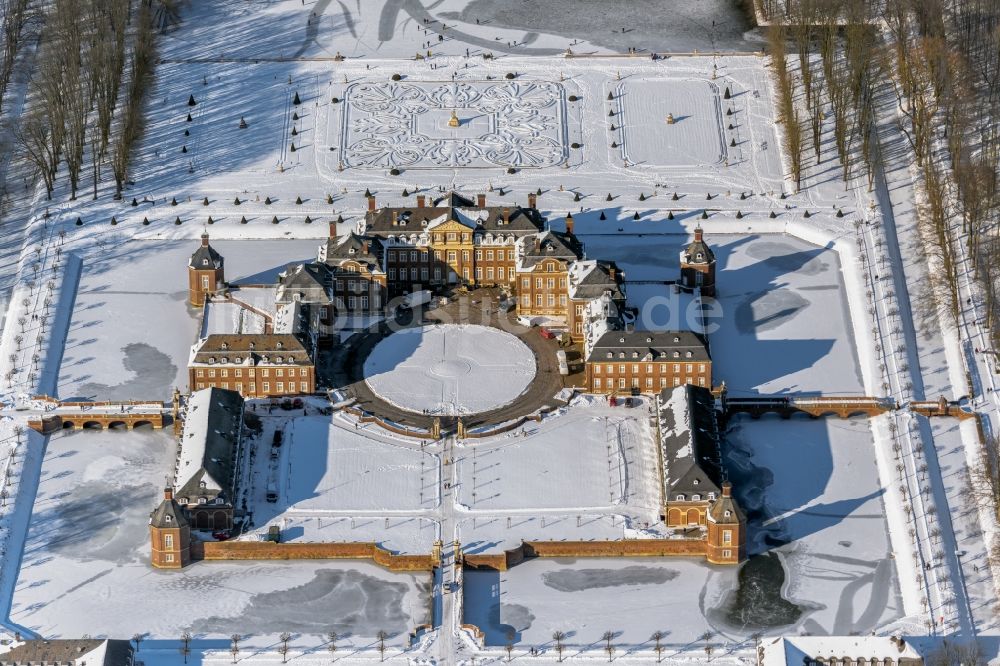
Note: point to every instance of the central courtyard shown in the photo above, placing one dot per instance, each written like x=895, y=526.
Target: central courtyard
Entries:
x=450, y=369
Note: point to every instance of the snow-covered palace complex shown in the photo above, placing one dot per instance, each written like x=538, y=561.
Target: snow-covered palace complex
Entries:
x=469, y=332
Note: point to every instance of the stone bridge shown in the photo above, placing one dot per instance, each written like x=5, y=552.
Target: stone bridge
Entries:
x=58, y=415
x=815, y=407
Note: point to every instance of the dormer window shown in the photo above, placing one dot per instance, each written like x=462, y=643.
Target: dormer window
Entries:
x=352, y=251
x=680, y=498
x=211, y=360
x=699, y=256
x=688, y=354
x=635, y=354
x=225, y=345
x=711, y=497
x=695, y=498
x=278, y=344
x=202, y=500
x=696, y=481
x=251, y=345
x=728, y=514
x=621, y=340
x=204, y=262
x=166, y=519
x=224, y=360
x=677, y=338
x=277, y=360
x=649, y=339
x=611, y=355
x=677, y=354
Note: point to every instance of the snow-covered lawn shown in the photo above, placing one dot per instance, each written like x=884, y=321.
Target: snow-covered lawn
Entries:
x=327, y=467
x=85, y=568
x=505, y=124
x=587, y=457
x=694, y=139
x=450, y=368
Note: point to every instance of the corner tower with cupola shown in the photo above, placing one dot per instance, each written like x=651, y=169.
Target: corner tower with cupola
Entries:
x=206, y=273
x=698, y=265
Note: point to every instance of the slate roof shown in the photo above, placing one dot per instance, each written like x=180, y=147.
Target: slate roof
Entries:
x=689, y=441
x=168, y=514
x=549, y=244
x=212, y=430
x=454, y=206
x=312, y=280
x=696, y=247
x=590, y=279
x=250, y=349
x=669, y=346
x=205, y=257
x=354, y=247
x=93, y=651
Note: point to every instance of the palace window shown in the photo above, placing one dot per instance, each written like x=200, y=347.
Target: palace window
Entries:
x=727, y=553
x=281, y=387
x=169, y=557
x=267, y=387
x=727, y=537
x=597, y=383
x=526, y=283
x=304, y=387
x=479, y=255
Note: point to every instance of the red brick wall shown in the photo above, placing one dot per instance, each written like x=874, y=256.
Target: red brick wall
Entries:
x=267, y=550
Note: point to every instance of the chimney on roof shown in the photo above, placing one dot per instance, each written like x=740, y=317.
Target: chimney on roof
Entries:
x=538, y=243
x=371, y=203
x=364, y=247
x=727, y=489
x=204, y=239
x=697, y=234
x=506, y=215
x=532, y=200
x=421, y=200
x=569, y=223
x=481, y=200
x=395, y=218
x=333, y=229
x=613, y=272
x=168, y=493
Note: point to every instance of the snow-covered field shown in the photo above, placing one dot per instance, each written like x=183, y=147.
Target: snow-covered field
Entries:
x=328, y=467
x=597, y=457
x=450, y=368
x=85, y=568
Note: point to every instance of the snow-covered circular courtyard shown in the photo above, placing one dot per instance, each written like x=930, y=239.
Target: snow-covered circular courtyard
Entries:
x=450, y=369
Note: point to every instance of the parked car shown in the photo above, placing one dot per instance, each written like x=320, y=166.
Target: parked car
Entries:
x=220, y=535
x=278, y=436
x=273, y=534
x=272, y=493
x=546, y=333
x=297, y=403
x=286, y=404
x=275, y=453
x=563, y=362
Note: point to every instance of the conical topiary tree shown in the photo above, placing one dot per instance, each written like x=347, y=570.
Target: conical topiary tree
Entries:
x=636, y=216
x=674, y=197
x=191, y=101
x=295, y=116
x=236, y=201
x=670, y=214
x=642, y=196
x=308, y=220
x=329, y=199
x=295, y=132
x=177, y=220
x=292, y=149
x=274, y=220
x=772, y=215
x=189, y=118
x=726, y=95
x=135, y=202
x=210, y=220
x=603, y=216
x=576, y=196
x=173, y=201
x=243, y=123
x=739, y=215
x=704, y=214
x=267, y=201
x=243, y=219
x=145, y=222
x=184, y=149
x=296, y=101
x=609, y=197
x=298, y=201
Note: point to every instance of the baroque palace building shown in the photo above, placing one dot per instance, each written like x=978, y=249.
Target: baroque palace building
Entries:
x=449, y=242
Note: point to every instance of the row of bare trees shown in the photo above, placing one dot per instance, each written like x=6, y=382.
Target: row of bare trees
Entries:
x=839, y=85
x=79, y=112
x=14, y=23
